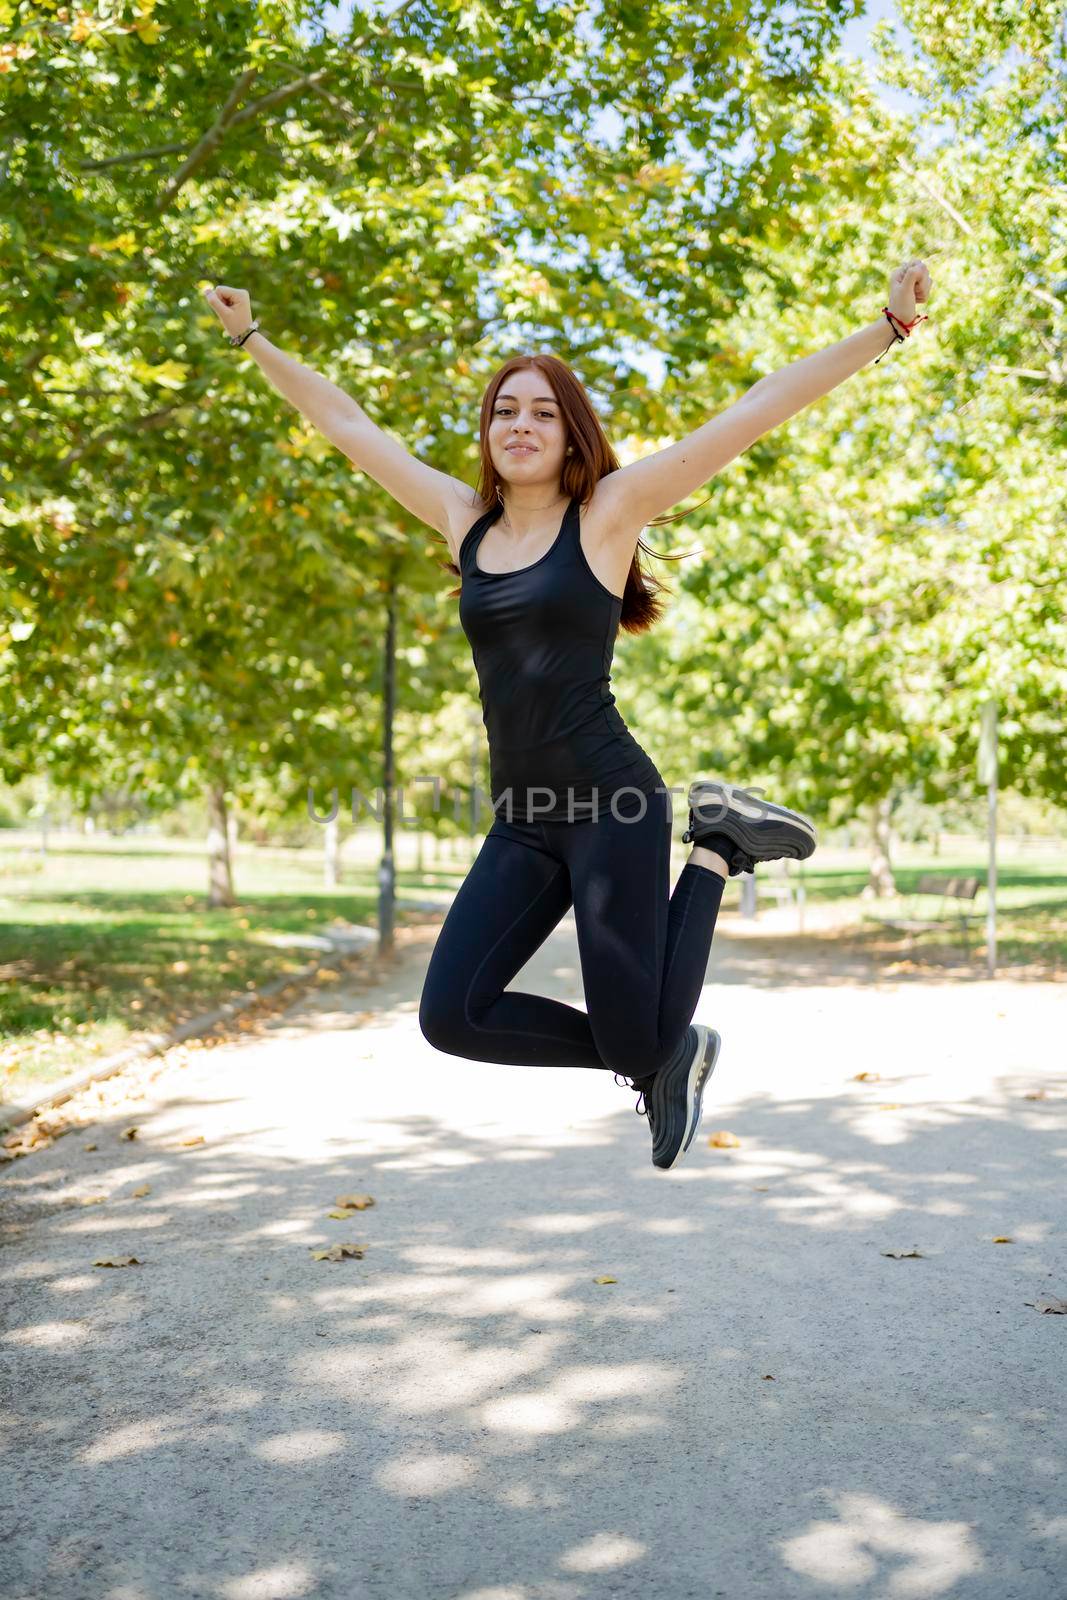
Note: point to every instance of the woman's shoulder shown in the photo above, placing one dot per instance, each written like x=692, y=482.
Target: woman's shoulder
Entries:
x=465, y=508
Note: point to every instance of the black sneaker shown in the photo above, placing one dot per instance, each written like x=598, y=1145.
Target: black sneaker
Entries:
x=644, y=1092
x=759, y=829
x=673, y=1097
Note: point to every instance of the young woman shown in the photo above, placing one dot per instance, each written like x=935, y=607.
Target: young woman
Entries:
x=582, y=817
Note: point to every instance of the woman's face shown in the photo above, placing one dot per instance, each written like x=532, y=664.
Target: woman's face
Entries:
x=526, y=435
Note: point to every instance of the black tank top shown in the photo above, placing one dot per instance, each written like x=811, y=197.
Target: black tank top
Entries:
x=543, y=638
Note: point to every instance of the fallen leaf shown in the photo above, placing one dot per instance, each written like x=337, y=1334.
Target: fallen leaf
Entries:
x=771, y=1376
x=762, y=1188
x=139, y=1193
x=88, y=1147
x=893, y=1105
x=1049, y=1303
x=128, y=1133
x=355, y=1202
x=197, y=1138
x=1003, y=1238
x=337, y=1252
x=1036, y=1094
x=94, y=1199
x=340, y=1216
x=117, y=1261
x=867, y=1077
x=723, y=1140
x=605, y=1280
x=902, y=1255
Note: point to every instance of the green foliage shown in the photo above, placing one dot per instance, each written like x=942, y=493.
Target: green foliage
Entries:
x=893, y=556
x=192, y=583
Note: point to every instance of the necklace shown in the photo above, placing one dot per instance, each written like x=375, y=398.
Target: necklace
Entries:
x=507, y=520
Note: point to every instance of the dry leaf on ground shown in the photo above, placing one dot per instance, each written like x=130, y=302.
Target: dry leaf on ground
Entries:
x=117, y=1261
x=338, y=1252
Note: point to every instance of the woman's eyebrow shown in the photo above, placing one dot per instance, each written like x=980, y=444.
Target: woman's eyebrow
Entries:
x=536, y=401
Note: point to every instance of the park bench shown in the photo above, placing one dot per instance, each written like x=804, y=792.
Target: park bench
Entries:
x=779, y=878
x=962, y=890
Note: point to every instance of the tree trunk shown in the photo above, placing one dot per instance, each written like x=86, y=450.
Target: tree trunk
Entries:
x=220, y=892
x=880, y=880
x=331, y=854
x=387, y=866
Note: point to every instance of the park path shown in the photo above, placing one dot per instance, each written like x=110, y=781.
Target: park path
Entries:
x=760, y=1402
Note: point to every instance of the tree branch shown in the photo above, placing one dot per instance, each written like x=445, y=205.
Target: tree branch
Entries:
x=342, y=107
x=279, y=96
x=230, y=117
x=210, y=141
x=152, y=154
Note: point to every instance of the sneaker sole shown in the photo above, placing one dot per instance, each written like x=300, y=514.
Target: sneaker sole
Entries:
x=757, y=825
x=701, y=1066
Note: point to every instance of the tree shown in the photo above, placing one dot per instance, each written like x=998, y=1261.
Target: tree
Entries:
x=182, y=562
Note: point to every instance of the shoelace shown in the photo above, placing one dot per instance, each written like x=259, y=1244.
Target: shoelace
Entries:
x=641, y=1110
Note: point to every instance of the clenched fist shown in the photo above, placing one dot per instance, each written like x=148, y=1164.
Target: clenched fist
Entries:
x=910, y=284
x=232, y=307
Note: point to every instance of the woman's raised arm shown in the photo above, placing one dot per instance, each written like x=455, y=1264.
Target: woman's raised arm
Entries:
x=649, y=487
x=436, y=498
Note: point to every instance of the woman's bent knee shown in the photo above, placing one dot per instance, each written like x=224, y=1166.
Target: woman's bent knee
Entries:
x=634, y=1058
x=442, y=1024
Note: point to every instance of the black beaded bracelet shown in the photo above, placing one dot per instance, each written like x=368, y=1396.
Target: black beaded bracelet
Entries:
x=238, y=340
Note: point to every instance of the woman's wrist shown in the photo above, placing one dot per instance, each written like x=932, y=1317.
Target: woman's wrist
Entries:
x=879, y=334
x=239, y=340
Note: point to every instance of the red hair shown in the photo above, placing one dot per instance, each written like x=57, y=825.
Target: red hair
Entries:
x=591, y=459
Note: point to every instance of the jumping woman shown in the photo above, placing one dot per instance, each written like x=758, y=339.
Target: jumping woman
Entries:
x=582, y=818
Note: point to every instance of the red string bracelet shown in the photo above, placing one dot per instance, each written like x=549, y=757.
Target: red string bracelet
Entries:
x=898, y=338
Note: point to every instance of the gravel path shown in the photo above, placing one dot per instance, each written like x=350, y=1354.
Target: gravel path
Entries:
x=759, y=1402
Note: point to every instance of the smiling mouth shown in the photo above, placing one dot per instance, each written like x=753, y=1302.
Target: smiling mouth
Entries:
x=521, y=450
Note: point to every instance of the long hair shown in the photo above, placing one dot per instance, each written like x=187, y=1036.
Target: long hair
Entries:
x=591, y=459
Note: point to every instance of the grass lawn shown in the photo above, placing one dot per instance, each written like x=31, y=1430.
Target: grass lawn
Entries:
x=1031, y=901
x=103, y=940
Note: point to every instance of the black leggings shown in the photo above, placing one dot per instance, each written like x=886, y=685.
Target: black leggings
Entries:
x=644, y=951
